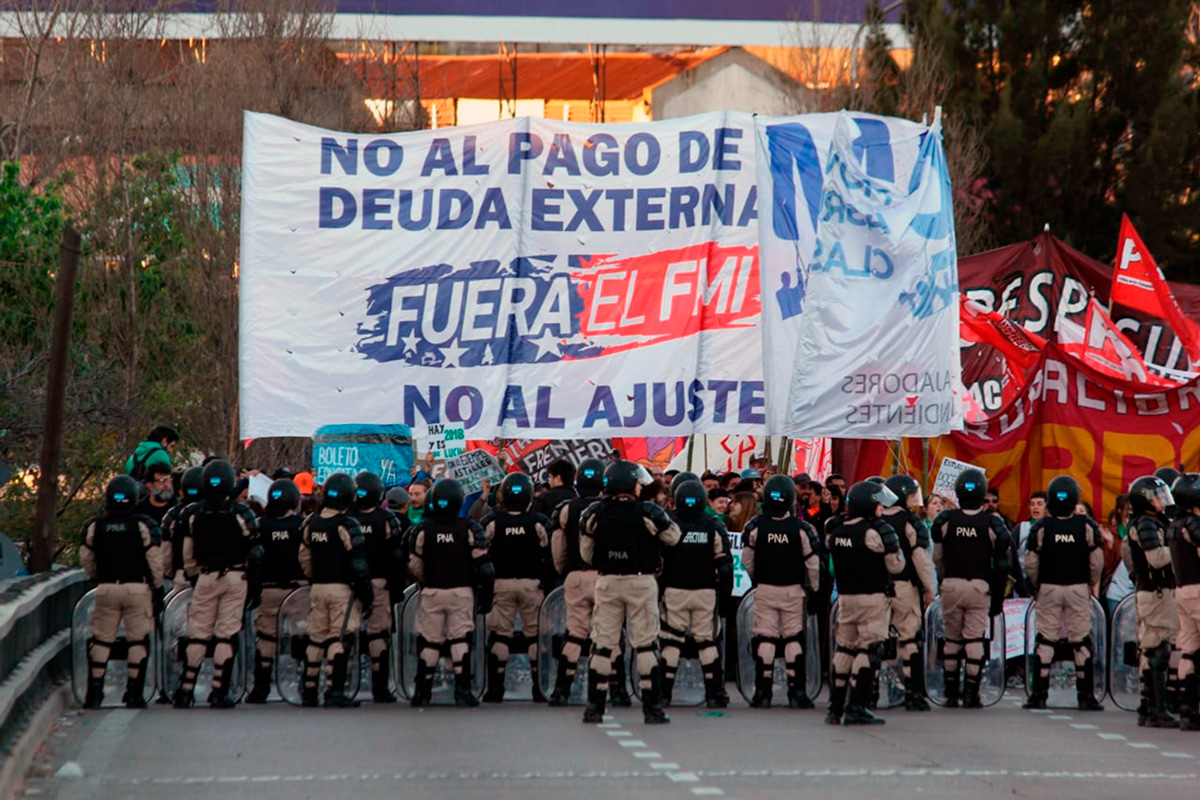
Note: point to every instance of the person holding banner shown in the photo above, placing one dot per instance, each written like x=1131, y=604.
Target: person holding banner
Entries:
x=621, y=537
x=1185, y=556
x=519, y=543
x=780, y=555
x=579, y=578
x=1064, y=559
x=971, y=553
x=913, y=587
x=1148, y=559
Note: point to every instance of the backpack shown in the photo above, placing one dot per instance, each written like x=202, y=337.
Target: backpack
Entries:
x=138, y=471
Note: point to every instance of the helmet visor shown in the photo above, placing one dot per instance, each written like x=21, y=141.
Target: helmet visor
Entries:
x=885, y=496
x=916, y=499
x=644, y=478
x=1162, y=493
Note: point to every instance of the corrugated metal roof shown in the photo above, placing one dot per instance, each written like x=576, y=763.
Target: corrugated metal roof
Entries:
x=539, y=76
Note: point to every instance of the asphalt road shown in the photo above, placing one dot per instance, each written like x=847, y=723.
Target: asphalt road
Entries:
x=521, y=751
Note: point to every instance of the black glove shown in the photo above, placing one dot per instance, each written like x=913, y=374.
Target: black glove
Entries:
x=158, y=601
x=485, y=579
x=253, y=593
x=364, y=593
x=997, y=606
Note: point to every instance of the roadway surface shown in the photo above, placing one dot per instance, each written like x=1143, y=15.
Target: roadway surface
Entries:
x=520, y=751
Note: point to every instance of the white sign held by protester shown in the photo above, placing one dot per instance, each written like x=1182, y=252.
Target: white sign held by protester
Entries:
x=473, y=467
x=447, y=440
x=948, y=472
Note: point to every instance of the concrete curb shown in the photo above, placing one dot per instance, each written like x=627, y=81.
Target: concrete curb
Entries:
x=20, y=756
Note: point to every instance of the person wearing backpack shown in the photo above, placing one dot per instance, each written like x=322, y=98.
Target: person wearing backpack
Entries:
x=157, y=448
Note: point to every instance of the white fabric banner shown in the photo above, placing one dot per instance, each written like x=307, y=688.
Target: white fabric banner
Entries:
x=528, y=278
x=862, y=341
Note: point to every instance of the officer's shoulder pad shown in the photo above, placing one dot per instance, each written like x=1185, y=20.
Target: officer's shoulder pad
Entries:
x=751, y=525
x=542, y=519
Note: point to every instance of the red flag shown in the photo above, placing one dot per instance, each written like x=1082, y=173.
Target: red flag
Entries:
x=1020, y=347
x=1138, y=283
x=1103, y=347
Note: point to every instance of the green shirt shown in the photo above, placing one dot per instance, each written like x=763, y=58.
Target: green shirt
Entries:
x=416, y=514
x=147, y=454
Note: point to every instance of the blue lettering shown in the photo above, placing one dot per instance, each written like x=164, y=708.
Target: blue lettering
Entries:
x=875, y=139
x=523, y=146
x=684, y=200
x=348, y=208
x=688, y=140
x=447, y=220
x=440, y=156
x=561, y=154
x=721, y=391
x=542, y=418
x=793, y=151
x=695, y=400
x=545, y=205
x=601, y=162
x=661, y=415
x=585, y=206
x=454, y=405
x=493, y=209
x=653, y=154
x=415, y=403
x=649, y=201
x=377, y=202
x=724, y=147
x=513, y=407
x=371, y=157
x=620, y=198
x=469, y=165
x=347, y=156
x=404, y=205
x=751, y=403
x=603, y=408
x=723, y=206
x=750, y=210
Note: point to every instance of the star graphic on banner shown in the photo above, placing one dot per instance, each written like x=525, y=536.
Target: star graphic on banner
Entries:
x=410, y=342
x=451, y=353
x=548, y=343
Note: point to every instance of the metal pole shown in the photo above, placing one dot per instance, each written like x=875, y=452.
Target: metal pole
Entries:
x=691, y=446
x=42, y=550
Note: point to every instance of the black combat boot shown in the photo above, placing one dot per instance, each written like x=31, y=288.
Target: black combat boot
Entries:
x=422, y=685
x=95, y=692
x=561, y=695
x=715, y=695
x=652, y=709
x=952, y=689
x=1039, y=688
x=837, y=701
x=1189, y=704
x=381, y=692
x=914, y=686
x=798, y=684
x=535, y=681
x=1085, y=688
x=262, y=682
x=464, y=692
x=618, y=684
x=335, y=690
x=764, y=684
x=219, y=697
x=495, y=679
x=1143, y=710
x=135, y=689
x=971, y=690
x=668, y=688
x=594, y=712
x=857, y=712
x=1159, y=717
x=183, y=698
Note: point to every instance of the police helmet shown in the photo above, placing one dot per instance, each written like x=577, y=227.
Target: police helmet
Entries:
x=971, y=488
x=879, y=479
x=865, y=498
x=516, y=491
x=621, y=477
x=1062, y=495
x=446, y=499
x=589, y=478
x=1144, y=491
x=121, y=495
x=339, y=491
x=1186, y=491
x=191, y=485
x=282, y=496
x=369, y=493
x=1167, y=475
x=690, y=499
x=907, y=491
x=682, y=477
x=219, y=479
x=779, y=495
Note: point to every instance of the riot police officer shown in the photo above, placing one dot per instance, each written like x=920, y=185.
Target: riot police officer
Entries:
x=970, y=551
x=1148, y=559
x=519, y=547
x=280, y=531
x=780, y=554
x=697, y=577
x=1184, y=535
x=449, y=558
x=191, y=487
x=333, y=557
x=621, y=537
x=1064, y=559
x=913, y=588
x=579, y=580
x=866, y=554
x=120, y=552
x=221, y=556
x=383, y=534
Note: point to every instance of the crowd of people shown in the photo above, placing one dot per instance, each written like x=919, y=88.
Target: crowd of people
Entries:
x=649, y=553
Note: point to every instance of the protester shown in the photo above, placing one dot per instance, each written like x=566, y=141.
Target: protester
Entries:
x=157, y=448
x=934, y=505
x=719, y=500
x=1114, y=531
x=158, y=492
x=416, y=497
x=742, y=508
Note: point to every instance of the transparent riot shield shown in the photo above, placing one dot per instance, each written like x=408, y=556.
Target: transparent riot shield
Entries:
x=1124, y=676
x=746, y=667
x=552, y=628
x=689, y=678
x=1062, y=672
x=293, y=641
x=991, y=688
x=443, y=676
x=398, y=634
x=175, y=636
x=891, y=672
x=115, y=677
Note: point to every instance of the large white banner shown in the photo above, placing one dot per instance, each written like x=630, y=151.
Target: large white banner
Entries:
x=861, y=340
x=529, y=278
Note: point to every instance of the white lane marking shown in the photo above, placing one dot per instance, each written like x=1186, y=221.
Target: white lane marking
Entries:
x=618, y=734
x=609, y=725
x=706, y=791
x=647, y=754
x=609, y=717
x=1040, y=711
x=1081, y=726
x=632, y=743
x=1178, y=755
x=1111, y=737
x=97, y=752
x=671, y=765
x=1059, y=716
x=683, y=777
x=1142, y=745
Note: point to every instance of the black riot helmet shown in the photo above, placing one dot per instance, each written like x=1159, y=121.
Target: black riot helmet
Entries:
x=589, y=478
x=369, y=492
x=1145, y=490
x=907, y=491
x=219, y=479
x=690, y=499
x=516, y=491
x=446, y=499
x=339, y=491
x=191, y=485
x=1186, y=492
x=971, y=488
x=121, y=495
x=1062, y=495
x=282, y=496
x=779, y=495
x=1167, y=475
x=621, y=477
x=682, y=477
x=879, y=479
x=865, y=498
